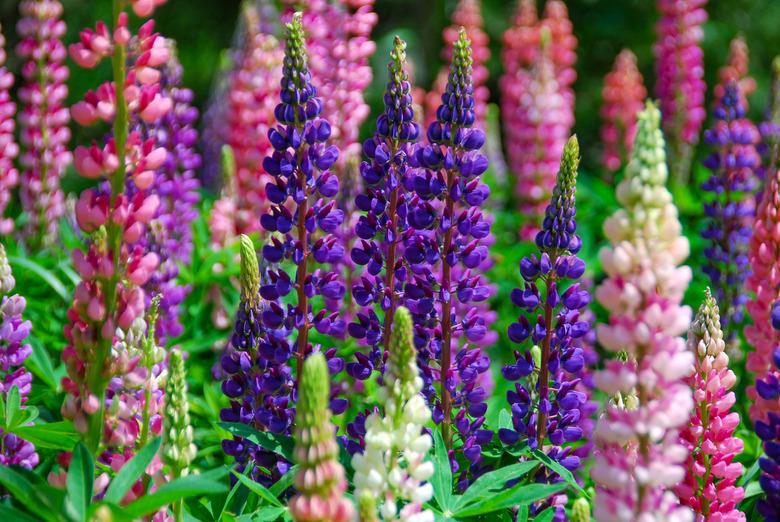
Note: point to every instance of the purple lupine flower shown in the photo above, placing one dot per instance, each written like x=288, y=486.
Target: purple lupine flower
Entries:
x=169, y=234
x=381, y=229
x=449, y=232
x=14, y=331
x=768, y=430
x=731, y=210
x=257, y=378
x=549, y=408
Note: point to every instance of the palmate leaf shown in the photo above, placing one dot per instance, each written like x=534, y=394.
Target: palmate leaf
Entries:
x=53, y=435
x=521, y=494
x=564, y=473
x=488, y=484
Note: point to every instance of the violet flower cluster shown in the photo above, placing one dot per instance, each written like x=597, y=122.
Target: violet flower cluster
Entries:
x=169, y=234
x=14, y=350
x=449, y=233
x=548, y=406
x=768, y=430
x=382, y=228
x=43, y=118
x=680, y=85
x=9, y=149
x=731, y=209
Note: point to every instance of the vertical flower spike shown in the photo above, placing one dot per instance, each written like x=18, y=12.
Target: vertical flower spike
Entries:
x=169, y=234
x=547, y=408
x=736, y=70
x=14, y=331
x=768, y=430
x=9, y=176
x=449, y=232
x=731, y=210
x=382, y=229
x=763, y=282
x=467, y=14
x=179, y=449
x=563, y=48
x=680, y=78
x=44, y=118
x=392, y=468
x=623, y=94
x=320, y=482
x=302, y=202
x=112, y=382
x=638, y=456
x=711, y=474
x=770, y=127
x=252, y=92
x=258, y=381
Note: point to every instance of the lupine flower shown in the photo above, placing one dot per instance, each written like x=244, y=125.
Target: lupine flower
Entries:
x=113, y=382
x=638, y=455
x=709, y=487
x=580, y=511
x=467, y=14
x=179, y=449
x=258, y=381
x=252, y=92
x=44, y=117
x=763, y=283
x=770, y=127
x=680, y=78
x=9, y=176
x=320, y=481
x=624, y=94
x=169, y=234
x=14, y=350
x=392, y=468
x=768, y=430
x=382, y=229
x=547, y=408
x=731, y=210
x=449, y=232
x=736, y=70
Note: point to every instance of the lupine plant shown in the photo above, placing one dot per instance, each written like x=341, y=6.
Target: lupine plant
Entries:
x=9, y=175
x=768, y=429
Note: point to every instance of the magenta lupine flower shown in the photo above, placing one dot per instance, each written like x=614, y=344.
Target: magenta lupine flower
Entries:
x=449, y=230
x=43, y=118
x=624, y=96
x=638, y=455
x=736, y=69
x=252, y=92
x=9, y=176
x=680, y=78
x=764, y=284
x=14, y=330
x=709, y=487
x=169, y=234
x=111, y=370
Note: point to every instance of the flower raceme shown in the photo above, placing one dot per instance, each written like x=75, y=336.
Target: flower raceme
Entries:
x=768, y=430
x=9, y=176
x=392, y=469
x=638, y=455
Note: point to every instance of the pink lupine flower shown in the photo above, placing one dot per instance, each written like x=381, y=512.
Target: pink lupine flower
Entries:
x=680, y=78
x=736, y=70
x=638, y=456
x=624, y=94
x=9, y=176
x=764, y=283
x=709, y=487
x=43, y=118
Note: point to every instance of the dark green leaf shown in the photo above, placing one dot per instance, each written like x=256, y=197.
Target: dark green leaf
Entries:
x=11, y=513
x=81, y=475
x=564, y=473
x=489, y=483
x=545, y=516
x=131, y=472
x=39, y=363
x=442, y=476
x=44, y=273
x=198, y=510
x=281, y=485
x=258, y=489
x=280, y=444
x=521, y=494
x=268, y=513
x=54, y=435
x=185, y=487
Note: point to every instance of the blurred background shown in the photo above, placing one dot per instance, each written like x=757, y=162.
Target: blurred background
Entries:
x=205, y=28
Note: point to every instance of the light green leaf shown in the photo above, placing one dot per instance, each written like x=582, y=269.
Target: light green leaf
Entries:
x=442, y=476
x=189, y=486
x=521, y=494
x=44, y=273
x=40, y=364
x=489, y=483
x=545, y=516
x=281, y=485
x=81, y=475
x=752, y=489
x=280, y=444
x=54, y=435
x=268, y=513
x=564, y=473
x=131, y=472
x=258, y=489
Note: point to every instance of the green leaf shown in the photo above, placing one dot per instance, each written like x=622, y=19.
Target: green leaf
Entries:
x=131, y=472
x=545, y=516
x=521, y=494
x=11, y=513
x=40, y=364
x=44, y=273
x=54, y=435
x=752, y=489
x=522, y=514
x=750, y=473
x=198, y=511
x=81, y=475
x=281, y=485
x=258, y=489
x=442, y=476
x=564, y=473
x=268, y=513
x=280, y=444
x=489, y=483
x=185, y=487
x=505, y=420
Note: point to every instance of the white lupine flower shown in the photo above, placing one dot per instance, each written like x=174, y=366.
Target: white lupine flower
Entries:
x=393, y=468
